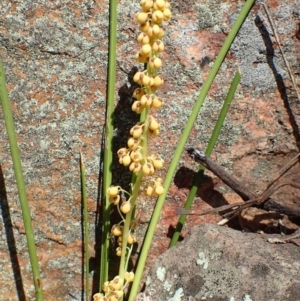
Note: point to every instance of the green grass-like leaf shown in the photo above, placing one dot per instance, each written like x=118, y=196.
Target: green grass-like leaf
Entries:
x=15, y=154
x=160, y=202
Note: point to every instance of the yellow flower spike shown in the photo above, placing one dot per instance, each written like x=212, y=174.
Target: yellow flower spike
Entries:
x=158, y=46
x=119, y=251
x=155, y=63
x=135, y=167
x=136, y=156
x=131, y=239
x=148, y=169
x=116, y=283
x=159, y=190
x=129, y=276
x=142, y=17
x=133, y=144
x=149, y=190
x=138, y=93
x=167, y=14
x=125, y=207
x=113, y=190
x=116, y=230
x=153, y=124
x=157, y=17
x=157, y=103
x=115, y=199
x=126, y=160
x=143, y=38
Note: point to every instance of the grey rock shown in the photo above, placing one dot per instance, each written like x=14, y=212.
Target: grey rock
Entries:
x=220, y=264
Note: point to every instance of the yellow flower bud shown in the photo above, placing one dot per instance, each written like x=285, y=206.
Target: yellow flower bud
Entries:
x=119, y=251
x=122, y=152
x=119, y=240
x=157, y=162
x=136, y=131
x=157, y=103
x=105, y=286
x=145, y=27
x=143, y=38
x=137, y=107
x=131, y=239
x=146, y=100
x=158, y=81
x=158, y=46
x=153, y=132
x=133, y=143
x=98, y=297
x=112, y=297
x=153, y=124
x=114, y=199
x=125, y=207
x=153, y=31
x=145, y=50
x=116, y=230
x=157, y=17
x=146, y=5
x=146, y=80
x=155, y=63
x=138, y=77
x=141, y=59
x=135, y=167
x=126, y=160
x=159, y=190
x=138, y=93
x=129, y=276
x=149, y=190
x=148, y=169
x=136, y=156
x=167, y=14
x=116, y=283
x=142, y=17
x=160, y=4
x=113, y=190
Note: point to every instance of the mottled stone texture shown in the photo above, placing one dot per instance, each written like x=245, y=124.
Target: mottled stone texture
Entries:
x=221, y=264
x=55, y=57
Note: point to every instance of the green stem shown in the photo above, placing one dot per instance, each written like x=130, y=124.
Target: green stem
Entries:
x=86, y=228
x=8, y=117
x=211, y=145
x=160, y=202
x=135, y=191
x=108, y=152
